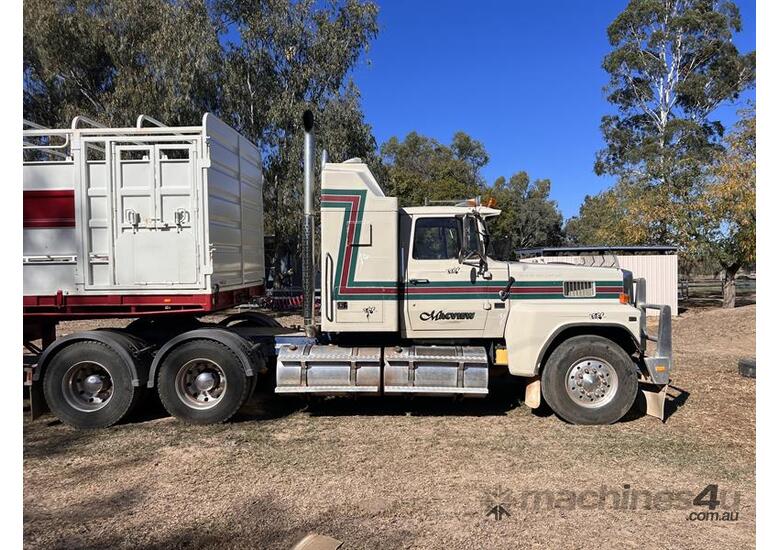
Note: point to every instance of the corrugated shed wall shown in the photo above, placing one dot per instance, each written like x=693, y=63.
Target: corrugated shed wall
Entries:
x=660, y=272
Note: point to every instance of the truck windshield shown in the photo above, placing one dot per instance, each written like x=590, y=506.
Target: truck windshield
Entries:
x=487, y=241
x=470, y=236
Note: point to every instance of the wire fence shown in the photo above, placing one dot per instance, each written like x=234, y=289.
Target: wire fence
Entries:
x=707, y=290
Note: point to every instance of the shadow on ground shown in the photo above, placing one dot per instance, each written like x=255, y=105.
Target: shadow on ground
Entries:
x=504, y=396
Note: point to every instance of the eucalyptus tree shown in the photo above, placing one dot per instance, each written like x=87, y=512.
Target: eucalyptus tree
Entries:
x=529, y=216
x=729, y=202
x=282, y=58
x=420, y=168
x=673, y=62
x=114, y=59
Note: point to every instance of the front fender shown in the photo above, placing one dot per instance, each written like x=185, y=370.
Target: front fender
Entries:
x=533, y=327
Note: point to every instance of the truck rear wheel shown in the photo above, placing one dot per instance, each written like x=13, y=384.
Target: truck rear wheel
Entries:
x=88, y=385
x=589, y=380
x=203, y=382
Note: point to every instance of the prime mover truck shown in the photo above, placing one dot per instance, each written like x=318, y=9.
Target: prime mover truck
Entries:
x=165, y=225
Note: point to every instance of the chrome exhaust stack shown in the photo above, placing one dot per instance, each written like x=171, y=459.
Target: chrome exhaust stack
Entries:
x=308, y=224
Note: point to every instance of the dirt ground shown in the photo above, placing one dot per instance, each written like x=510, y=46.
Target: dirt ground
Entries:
x=422, y=473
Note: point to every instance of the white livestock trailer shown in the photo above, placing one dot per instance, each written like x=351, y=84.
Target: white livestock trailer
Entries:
x=146, y=219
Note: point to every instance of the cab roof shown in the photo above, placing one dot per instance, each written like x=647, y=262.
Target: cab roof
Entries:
x=483, y=211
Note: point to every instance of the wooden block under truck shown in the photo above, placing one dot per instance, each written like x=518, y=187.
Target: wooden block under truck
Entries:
x=165, y=225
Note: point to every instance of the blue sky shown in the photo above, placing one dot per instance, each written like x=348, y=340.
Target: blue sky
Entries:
x=523, y=77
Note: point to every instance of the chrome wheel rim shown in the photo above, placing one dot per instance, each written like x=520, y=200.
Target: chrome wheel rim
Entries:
x=591, y=382
x=200, y=383
x=87, y=386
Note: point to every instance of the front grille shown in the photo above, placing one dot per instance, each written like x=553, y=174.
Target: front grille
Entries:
x=579, y=289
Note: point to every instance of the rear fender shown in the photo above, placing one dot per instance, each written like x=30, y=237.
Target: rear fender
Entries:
x=133, y=350
x=252, y=362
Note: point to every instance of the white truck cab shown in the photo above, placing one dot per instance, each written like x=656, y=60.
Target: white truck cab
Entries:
x=422, y=276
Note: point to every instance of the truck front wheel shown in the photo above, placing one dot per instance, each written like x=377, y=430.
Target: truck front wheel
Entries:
x=589, y=380
x=203, y=382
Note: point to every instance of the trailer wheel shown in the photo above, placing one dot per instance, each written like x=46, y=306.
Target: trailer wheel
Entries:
x=87, y=385
x=589, y=380
x=203, y=382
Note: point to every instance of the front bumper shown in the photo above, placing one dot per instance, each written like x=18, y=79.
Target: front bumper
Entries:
x=656, y=368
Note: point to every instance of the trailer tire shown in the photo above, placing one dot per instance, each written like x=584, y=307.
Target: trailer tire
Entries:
x=589, y=380
x=88, y=385
x=203, y=382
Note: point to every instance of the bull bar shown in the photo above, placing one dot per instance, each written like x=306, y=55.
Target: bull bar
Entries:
x=654, y=378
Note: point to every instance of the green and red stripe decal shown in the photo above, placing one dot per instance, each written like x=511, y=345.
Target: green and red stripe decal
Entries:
x=347, y=288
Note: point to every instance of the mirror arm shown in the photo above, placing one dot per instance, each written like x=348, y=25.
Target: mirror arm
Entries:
x=506, y=291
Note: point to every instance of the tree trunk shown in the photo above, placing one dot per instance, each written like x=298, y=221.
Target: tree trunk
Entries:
x=730, y=286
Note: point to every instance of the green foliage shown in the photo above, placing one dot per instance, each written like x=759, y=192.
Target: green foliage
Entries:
x=673, y=62
x=113, y=60
x=420, y=168
x=529, y=217
x=729, y=198
x=295, y=56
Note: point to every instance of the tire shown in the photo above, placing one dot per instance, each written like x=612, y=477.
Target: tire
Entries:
x=584, y=364
x=747, y=367
x=177, y=382
x=68, y=392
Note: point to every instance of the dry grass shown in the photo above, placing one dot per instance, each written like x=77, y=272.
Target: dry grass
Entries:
x=403, y=474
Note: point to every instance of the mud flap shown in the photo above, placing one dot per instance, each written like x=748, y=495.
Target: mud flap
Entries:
x=35, y=395
x=533, y=392
x=655, y=399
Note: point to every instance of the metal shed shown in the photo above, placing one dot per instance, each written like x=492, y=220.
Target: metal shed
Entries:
x=656, y=264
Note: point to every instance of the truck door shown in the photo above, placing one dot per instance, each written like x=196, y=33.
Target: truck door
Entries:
x=154, y=229
x=443, y=294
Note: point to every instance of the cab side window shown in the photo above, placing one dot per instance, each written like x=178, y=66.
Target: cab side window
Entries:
x=436, y=239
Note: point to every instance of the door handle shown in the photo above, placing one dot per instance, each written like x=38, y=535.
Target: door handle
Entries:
x=133, y=218
x=418, y=281
x=180, y=217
